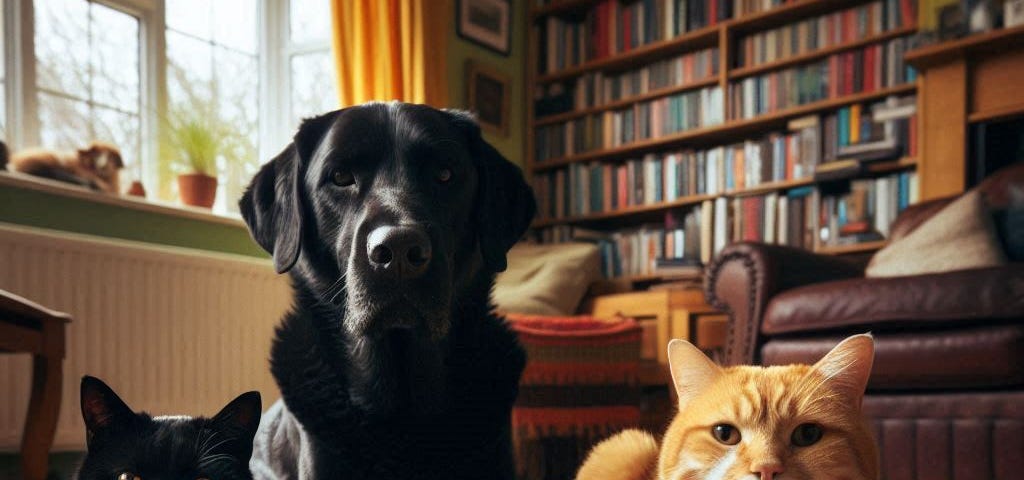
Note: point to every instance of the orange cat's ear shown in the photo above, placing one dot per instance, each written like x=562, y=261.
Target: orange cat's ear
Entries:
x=692, y=371
x=847, y=367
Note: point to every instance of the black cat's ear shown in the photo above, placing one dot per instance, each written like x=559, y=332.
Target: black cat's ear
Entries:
x=505, y=204
x=272, y=205
x=102, y=409
x=238, y=422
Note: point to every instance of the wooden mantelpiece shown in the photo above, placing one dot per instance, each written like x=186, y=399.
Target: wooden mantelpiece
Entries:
x=973, y=79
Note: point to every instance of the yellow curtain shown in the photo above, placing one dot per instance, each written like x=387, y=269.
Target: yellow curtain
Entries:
x=391, y=50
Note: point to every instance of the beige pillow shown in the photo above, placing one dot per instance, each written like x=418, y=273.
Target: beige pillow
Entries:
x=547, y=279
x=959, y=237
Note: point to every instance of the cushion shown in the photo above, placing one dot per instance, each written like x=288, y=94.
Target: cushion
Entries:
x=547, y=279
x=961, y=236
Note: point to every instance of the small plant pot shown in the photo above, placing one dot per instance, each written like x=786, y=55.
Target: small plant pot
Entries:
x=197, y=189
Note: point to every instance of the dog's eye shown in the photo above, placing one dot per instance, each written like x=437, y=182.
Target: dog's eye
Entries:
x=128, y=476
x=444, y=175
x=342, y=179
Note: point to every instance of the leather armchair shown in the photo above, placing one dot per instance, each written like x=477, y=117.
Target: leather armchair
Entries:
x=946, y=395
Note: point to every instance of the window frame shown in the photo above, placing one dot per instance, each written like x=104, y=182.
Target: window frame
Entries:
x=274, y=53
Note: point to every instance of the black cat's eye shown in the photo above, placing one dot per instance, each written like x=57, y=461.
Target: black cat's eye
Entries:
x=444, y=175
x=806, y=434
x=726, y=434
x=128, y=476
x=342, y=179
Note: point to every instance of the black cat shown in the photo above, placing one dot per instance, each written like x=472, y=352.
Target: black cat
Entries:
x=124, y=445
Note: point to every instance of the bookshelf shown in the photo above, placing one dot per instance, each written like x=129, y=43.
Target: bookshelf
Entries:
x=725, y=38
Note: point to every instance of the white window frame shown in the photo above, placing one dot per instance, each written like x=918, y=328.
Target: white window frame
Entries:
x=275, y=51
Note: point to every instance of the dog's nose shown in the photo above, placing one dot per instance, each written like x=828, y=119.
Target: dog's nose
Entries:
x=404, y=250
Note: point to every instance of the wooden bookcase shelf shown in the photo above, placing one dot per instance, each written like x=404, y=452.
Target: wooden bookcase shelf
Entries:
x=687, y=42
x=625, y=102
x=768, y=187
x=742, y=72
x=730, y=130
x=1002, y=39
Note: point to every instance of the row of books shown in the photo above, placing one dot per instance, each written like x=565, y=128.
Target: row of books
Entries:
x=806, y=217
x=598, y=89
x=672, y=247
x=864, y=70
x=582, y=189
x=612, y=26
x=875, y=131
x=834, y=145
x=644, y=120
x=742, y=8
x=842, y=27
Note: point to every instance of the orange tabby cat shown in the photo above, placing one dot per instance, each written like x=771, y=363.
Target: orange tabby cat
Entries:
x=796, y=422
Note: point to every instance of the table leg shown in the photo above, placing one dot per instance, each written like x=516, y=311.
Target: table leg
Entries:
x=41, y=422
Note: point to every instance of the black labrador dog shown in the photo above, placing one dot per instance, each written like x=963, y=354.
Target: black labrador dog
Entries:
x=392, y=220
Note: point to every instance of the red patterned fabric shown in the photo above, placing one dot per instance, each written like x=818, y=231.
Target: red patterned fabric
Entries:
x=581, y=385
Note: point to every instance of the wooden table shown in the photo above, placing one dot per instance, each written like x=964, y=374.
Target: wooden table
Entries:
x=27, y=327
x=665, y=314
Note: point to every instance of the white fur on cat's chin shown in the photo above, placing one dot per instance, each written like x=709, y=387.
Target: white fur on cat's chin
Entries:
x=717, y=472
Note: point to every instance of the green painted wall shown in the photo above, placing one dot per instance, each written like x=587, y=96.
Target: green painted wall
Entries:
x=461, y=50
x=56, y=212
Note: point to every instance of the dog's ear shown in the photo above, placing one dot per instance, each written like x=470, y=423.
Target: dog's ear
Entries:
x=505, y=204
x=273, y=204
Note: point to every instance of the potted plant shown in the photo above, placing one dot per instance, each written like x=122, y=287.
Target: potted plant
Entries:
x=192, y=141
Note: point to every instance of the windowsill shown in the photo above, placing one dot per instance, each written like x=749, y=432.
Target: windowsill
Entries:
x=29, y=182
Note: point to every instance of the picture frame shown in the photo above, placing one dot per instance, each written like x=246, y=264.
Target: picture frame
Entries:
x=487, y=23
x=488, y=95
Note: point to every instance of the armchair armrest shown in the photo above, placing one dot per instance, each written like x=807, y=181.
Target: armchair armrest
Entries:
x=744, y=277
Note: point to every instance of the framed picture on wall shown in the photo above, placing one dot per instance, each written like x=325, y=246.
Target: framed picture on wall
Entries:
x=487, y=95
x=486, y=22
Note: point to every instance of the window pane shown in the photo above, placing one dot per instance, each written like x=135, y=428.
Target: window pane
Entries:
x=63, y=123
x=235, y=24
x=89, y=77
x=189, y=69
x=118, y=128
x=218, y=76
x=190, y=16
x=313, y=89
x=62, y=46
x=310, y=20
x=115, y=59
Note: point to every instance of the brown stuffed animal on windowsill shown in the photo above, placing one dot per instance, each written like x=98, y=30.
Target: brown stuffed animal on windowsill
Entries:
x=97, y=166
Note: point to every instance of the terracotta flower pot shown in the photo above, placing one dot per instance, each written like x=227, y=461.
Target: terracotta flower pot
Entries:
x=197, y=189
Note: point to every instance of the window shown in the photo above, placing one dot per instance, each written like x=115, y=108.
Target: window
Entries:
x=213, y=67
x=119, y=70
x=312, y=88
x=87, y=76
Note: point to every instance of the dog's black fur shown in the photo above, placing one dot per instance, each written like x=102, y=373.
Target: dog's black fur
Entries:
x=391, y=378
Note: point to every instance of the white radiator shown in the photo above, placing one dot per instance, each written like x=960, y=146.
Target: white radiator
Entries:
x=172, y=330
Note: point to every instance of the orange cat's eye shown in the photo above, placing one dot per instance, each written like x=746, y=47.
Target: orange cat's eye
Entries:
x=726, y=434
x=806, y=434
